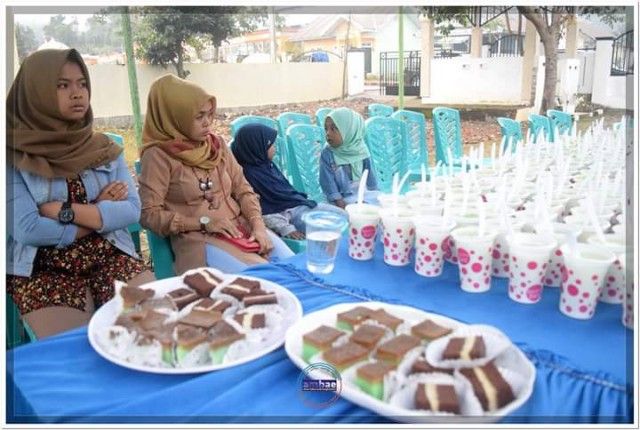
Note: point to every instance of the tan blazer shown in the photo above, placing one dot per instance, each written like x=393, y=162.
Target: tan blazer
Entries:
x=172, y=204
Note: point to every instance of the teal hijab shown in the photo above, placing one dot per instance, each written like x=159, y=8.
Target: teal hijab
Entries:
x=353, y=149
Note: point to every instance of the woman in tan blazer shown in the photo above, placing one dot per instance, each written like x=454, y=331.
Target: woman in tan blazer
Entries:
x=193, y=190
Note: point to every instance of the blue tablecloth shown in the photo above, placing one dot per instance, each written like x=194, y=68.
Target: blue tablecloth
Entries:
x=584, y=368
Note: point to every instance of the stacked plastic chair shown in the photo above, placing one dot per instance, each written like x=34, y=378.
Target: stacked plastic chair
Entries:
x=447, y=132
x=386, y=139
x=540, y=124
x=321, y=115
x=280, y=158
x=306, y=143
x=417, y=140
x=511, y=132
x=561, y=122
x=379, y=109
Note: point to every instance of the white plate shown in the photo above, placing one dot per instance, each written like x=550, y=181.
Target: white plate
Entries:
x=107, y=314
x=293, y=347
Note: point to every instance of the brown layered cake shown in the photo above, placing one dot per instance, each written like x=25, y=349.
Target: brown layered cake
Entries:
x=241, y=287
x=259, y=298
x=250, y=321
x=159, y=303
x=130, y=320
x=152, y=320
x=164, y=335
x=423, y=366
x=220, y=337
x=465, y=348
x=370, y=378
x=393, y=350
x=428, y=330
x=349, y=319
x=345, y=355
x=319, y=340
x=368, y=335
x=132, y=296
x=204, y=319
x=437, y=398
x=202, y=282
x=385, y=318
x=489, y=386
x=208, y=304
x=187, y=338
x=182, y=297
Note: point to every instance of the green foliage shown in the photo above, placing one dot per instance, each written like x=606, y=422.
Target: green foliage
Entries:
x=62, y=31
x=445, y=17
x=26, y=41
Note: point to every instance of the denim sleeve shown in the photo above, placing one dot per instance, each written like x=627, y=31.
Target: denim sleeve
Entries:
x=328, y=181
x=278, y=223
x=26, y=225
x=117, y=215
x=372, y=181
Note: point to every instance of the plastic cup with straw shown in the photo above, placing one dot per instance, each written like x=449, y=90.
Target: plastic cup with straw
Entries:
x=363, y=224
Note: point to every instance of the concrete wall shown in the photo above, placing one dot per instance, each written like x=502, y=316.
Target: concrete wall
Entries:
x=234, y=85
x=475, y=80
x=610, y=91
x=387, y=40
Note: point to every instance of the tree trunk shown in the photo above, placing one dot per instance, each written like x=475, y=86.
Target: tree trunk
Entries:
x=550, y=73
x=179, y=65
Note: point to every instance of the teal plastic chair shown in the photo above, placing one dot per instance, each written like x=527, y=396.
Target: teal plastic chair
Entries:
x=386, y=139
x=379, y=109
x=321, y=115
x=447, y=132
x=286, y=120
x=280, y=158
x=539, y=124
x=561, y=122
x=417, y=140
x=306, y=143
x=510, y=130
x=18, y=331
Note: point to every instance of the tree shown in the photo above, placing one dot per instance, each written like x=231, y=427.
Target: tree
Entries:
x=61, y=31
x=162, y=33
x=26, y=41
x=102, y=35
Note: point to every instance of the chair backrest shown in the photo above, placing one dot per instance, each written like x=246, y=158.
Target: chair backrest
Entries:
x=510, y=129
x=116, y=138
x=537, y=124
x=162, y=256
x=286, y=120
x=386, y=140
x=306, y=143
x=280, y=158
x=321, y=115
x=417, y=140
x=561, y=122
x=447, y=132
x=379, y=109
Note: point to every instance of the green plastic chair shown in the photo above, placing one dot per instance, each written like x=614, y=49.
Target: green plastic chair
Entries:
x=386, y=139
x=537, y=124
x=280, y=158
x=286, y=120
x=561, y=122
x=417, y=140
x=321, y=115
x=510, y=130
x=18, y=331
x=306, y=143
x=447, y=132
x=379, y=109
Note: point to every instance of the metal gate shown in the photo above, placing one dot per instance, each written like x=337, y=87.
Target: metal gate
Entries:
x=389, y=73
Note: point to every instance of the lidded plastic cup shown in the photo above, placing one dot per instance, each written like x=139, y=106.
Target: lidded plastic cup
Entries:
x=530, y=254
x=363, y=227
x=474, y=257
x=323, y=231
x=431, y=233
x=398, y=235
x=614, y=288
x=563, y=233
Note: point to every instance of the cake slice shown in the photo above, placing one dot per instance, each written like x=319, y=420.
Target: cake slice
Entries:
x=156, y=304
x=349, y=319
x=319, y=340
x=368, y=335
x=386, y=319
x=423, y=366
x=181, y=297
x=437, y=398
x=345, y=355
x=370, y=378
x=152, y=320
x=204, y=319
x=164, y=335
x=202, y=282
x=465, y=348
x=220, y=337
x=208, y=304
x=241, y=287
x=394, y=349
x=489, y=386
x=428, y=330
x=187, y=338
x=250, y=321
x=263, y=298
x=130, y=320
x=132, y=296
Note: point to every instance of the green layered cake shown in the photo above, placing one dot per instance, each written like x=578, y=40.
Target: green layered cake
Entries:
x=370, y=378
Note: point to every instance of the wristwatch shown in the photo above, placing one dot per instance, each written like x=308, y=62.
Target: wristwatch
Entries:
x=66, y=214
x=204, y=220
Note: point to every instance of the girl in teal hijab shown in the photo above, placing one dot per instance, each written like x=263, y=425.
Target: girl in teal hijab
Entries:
x=345, y=158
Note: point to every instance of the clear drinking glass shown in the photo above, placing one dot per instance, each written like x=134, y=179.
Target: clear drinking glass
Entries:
x=323, y=233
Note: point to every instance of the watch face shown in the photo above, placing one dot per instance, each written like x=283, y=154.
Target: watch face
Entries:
x=204, y=220
x=66, y=215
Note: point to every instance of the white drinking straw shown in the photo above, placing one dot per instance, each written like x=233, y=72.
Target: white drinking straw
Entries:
x=493, y=156
x=450, y=160
x=362, y=185
x=481, y=217
x=591, y=212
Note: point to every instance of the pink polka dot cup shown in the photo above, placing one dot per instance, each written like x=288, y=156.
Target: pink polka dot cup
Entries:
x=363, y=226
x=530, y=254
x=563, y=233
x=627, y=310
x=614, y=287
x=500, y=254
x=398, y=235
x=474, y=257
x=583, y=278
x=431, y=232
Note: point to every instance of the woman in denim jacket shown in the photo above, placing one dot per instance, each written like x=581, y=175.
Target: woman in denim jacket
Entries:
x=345, y=158
x=70, y=198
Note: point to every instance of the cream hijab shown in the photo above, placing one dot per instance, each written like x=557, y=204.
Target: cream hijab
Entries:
x=171, y=108
x=39, y=139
